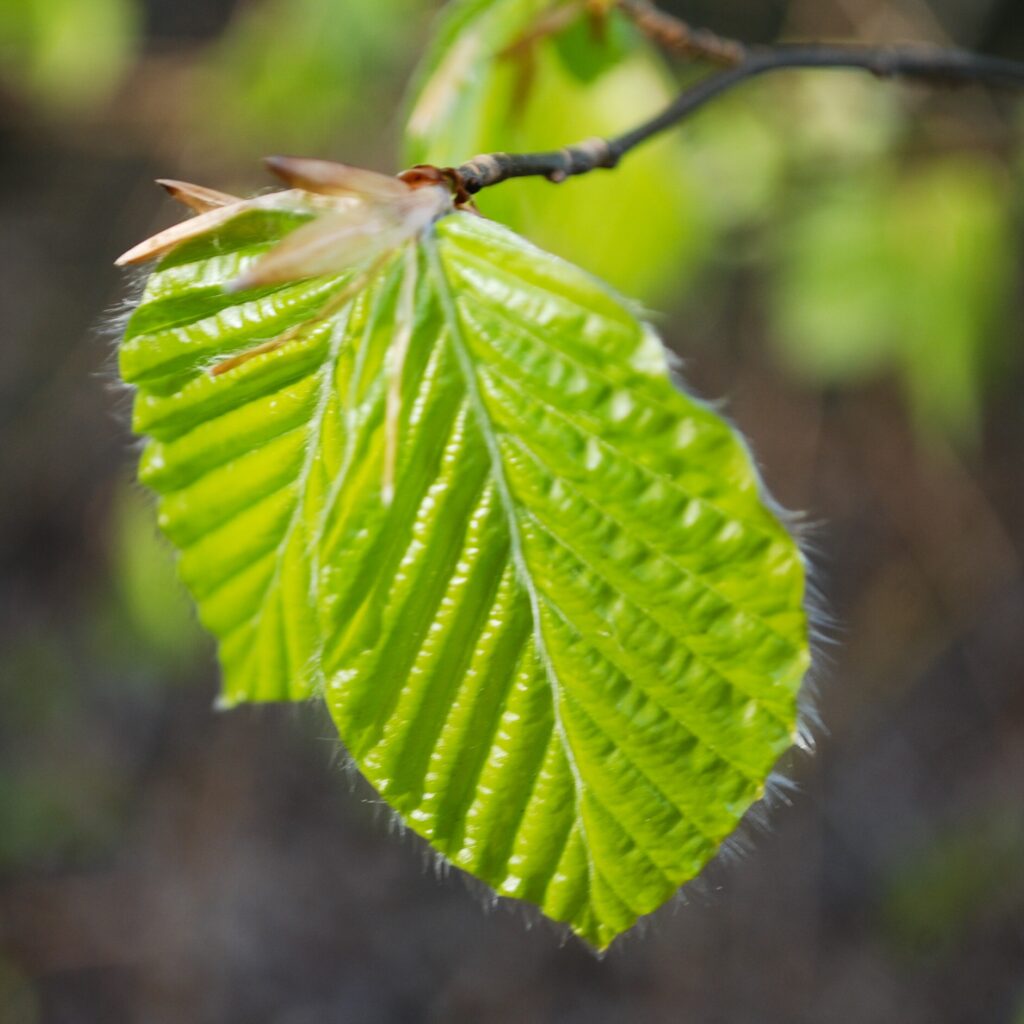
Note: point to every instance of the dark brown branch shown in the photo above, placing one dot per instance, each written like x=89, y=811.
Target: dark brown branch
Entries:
x=676, y=36
x=924, y=63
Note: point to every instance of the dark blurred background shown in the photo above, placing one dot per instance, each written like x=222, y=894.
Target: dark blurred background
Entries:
x=845, y=271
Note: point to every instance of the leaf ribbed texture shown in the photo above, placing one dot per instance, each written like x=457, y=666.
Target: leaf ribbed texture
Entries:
x=568, y=651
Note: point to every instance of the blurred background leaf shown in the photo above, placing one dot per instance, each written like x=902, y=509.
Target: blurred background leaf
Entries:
x=499, y=79
x=62, y=781
x=66, y=55
x=907, y=272
x=943, y=888
x=18, y=1002
x=834, y=298
x=159, y=613
x=953, y=251
x=298, y=75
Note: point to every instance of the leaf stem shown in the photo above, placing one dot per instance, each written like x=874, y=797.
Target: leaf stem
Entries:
x=943, y=66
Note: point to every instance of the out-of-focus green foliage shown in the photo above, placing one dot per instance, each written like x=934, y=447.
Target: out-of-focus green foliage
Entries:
x=298, y=75
x=485, y=86
x=753, y=150
x=906, y=272
x=42, y=813
x=739, y=165
x=67, y=55
x=886, y=266
x=157, y=608
x=953, y=242
x=19, y=1003
x=43, y=809
x=140, y=631
x=946, y=887
x=832, y=122
x=834, y=296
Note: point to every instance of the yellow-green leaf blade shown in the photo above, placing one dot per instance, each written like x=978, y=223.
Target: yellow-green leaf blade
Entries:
x=567, y=649
x=240, y=461
x=570, y=657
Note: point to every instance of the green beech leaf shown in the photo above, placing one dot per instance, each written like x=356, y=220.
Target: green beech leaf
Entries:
x=475, y=96
x=567, y=651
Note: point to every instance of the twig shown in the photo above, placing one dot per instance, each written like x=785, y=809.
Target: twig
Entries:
x=926, y=63
x=677, y=36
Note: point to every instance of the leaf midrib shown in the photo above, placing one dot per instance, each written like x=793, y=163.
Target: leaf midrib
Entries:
x=504, y=492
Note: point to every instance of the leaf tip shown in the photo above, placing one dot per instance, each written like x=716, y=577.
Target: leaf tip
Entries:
x=197, y=198
x=137, y=254
x=282, y=167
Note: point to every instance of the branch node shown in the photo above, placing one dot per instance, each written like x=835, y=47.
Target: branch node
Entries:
x=590, y=154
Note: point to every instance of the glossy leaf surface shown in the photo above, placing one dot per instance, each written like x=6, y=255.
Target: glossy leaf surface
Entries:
x=567, y=651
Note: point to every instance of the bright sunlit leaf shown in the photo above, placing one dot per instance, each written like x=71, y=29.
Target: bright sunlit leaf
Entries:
x=563, y=635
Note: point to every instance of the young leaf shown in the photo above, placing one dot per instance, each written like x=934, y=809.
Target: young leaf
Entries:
x=236, y=458
x=566, y=647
